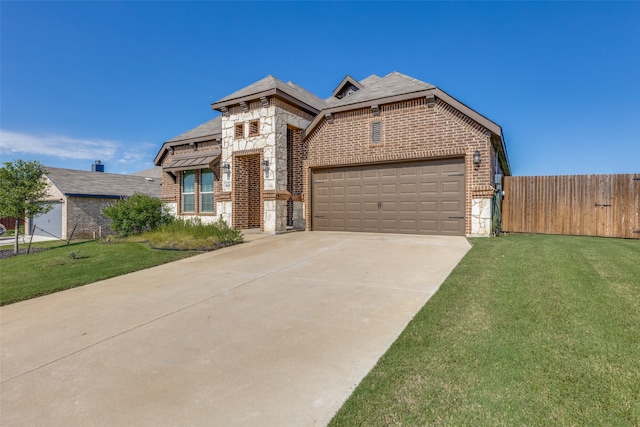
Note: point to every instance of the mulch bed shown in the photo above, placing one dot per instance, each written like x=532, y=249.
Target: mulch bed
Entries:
x=7, y=253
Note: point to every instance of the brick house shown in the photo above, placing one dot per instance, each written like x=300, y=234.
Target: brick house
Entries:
x=77, y=198
x=384, y=154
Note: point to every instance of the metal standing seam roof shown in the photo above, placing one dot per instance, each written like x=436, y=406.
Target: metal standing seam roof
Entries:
x=191, y=161
x=73, y=182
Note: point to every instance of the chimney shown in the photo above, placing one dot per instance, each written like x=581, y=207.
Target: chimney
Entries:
x=97, y=166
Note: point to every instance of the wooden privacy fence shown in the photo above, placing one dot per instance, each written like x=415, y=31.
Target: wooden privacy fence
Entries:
x=586, y=205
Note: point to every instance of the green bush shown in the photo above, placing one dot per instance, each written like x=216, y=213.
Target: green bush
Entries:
x=137, y=214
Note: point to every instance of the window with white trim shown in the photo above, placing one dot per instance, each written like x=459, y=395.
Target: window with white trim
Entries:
x=188, y=191
x=206, y=191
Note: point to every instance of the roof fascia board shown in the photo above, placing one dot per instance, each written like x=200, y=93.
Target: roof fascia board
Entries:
x=214, y=137
x=53, y=183
x=96, y=196
x=166, y=145
x=347, y=79
x=493, y=127
x=286, y=97
x=363, y=104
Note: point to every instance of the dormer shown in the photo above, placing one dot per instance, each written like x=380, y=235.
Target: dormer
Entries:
x=348, y=86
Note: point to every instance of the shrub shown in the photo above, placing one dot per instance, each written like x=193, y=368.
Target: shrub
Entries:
x=137, y=214
x=195, y=228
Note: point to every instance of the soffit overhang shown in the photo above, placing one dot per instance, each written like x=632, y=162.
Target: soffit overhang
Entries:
x=267, y=93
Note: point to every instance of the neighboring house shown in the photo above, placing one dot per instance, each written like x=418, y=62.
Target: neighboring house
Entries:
x=78, y=197
x=384, y=154
x=154, y=172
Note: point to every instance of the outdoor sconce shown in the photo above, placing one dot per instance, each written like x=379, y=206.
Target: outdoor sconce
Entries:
x=476, y=158
x=265, y=167
x=226, y=168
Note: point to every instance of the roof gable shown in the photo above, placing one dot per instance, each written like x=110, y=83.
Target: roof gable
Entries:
x=207, y=131
x=271, y=86
x=392, y=84
x=347, y=87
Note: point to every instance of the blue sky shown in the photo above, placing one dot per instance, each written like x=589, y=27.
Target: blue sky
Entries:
x=82, y=81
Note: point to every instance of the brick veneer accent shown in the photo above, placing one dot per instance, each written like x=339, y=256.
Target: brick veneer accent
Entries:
x=247, y=191
x=299, y=152
x=411, y=131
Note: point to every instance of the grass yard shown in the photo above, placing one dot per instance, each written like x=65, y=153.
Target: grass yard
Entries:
x=67, y=266
x=528, y=330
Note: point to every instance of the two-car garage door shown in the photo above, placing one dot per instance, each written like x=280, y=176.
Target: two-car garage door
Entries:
x=424, y=197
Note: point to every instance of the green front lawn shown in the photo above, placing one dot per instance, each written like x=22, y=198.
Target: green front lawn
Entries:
x=67, y=266
x=528, y=330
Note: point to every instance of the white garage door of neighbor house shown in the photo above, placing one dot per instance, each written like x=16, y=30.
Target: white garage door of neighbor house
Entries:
x=425, y=197
x=49, y=224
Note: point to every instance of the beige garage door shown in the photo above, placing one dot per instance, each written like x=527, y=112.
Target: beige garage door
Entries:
x=424, y=197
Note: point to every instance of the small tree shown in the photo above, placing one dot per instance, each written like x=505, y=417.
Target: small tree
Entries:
x=23, y=188
x=136, y=214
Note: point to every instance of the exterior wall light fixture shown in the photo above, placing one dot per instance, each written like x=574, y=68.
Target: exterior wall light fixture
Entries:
x=476, y=158
x=265, y=166
x=226, y=168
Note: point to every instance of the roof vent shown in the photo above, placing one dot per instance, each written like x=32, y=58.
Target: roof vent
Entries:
x=97, y=166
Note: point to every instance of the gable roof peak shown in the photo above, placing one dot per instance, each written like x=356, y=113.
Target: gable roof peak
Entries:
x=347, y=83
x=269, y=86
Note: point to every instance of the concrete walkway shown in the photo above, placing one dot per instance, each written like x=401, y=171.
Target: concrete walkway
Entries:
x=274, y=332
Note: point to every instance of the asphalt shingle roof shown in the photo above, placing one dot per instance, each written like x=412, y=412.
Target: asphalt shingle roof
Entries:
x=154, y=172
x=77, y=182
x=211, y=128
x=390, y=85
x=270, y=82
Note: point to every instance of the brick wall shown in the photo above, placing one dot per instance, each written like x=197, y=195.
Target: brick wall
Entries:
x=85, y=214
x=298, y=154
x=410, y=130
x=247, y=194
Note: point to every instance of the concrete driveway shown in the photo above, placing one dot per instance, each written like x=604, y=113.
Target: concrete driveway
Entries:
x=274, y=332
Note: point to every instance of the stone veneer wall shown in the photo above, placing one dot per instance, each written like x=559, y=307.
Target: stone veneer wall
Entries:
x=271, y=143
x=411, y=131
